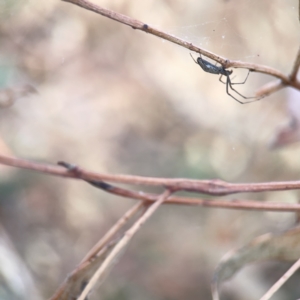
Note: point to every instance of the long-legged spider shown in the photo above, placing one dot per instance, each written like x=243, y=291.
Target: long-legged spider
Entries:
x=213, y=69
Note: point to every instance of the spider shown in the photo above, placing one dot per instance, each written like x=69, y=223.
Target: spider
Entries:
x=213, y=69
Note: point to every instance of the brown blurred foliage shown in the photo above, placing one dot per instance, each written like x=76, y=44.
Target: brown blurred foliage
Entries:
x=116, y=100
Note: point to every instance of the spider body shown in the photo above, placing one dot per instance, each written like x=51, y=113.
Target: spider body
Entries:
x=213, y=69
x=210, y=68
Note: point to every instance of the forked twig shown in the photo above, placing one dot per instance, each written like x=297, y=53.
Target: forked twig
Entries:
x=83, y=272
x=76, y=281
x=113, y=231
x=229, y=204
x=117, y=250
x=226, y=63
x=212, y=187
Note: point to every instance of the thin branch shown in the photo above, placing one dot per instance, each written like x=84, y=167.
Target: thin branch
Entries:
x=296, y=66
x=116, y=228
x=281, y=281
x=135, y=24
x=229, y=204
x=270, y=88
x=74, y=283
x=119, y=248
x=210, y=187
x=83, y=272
x=226, y=63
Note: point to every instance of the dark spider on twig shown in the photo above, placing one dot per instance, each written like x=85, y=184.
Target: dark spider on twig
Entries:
x=213, y=69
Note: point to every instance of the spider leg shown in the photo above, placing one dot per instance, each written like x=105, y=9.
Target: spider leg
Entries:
x=193, y=58
x=220, y=79
x=229, y=84
x=232, y=83
x=227, y=89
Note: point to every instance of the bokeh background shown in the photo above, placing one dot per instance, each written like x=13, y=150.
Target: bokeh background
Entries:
x=82, y=88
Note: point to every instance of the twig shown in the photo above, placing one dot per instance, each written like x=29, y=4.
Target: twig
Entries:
x=229, y=204
x=75, y=282
x=226, y=63
x=82, y=273
x=116, y=228
x=210, y=187
x=115, y=253
x=135, y=24
x=281, y=281
x=296, y=65
x=270, y=88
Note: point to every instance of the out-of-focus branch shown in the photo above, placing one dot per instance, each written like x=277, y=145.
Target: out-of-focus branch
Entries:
x=293, y=75
x=270, y=88
x=226, y=63
x=113, y=231
x=282, y=280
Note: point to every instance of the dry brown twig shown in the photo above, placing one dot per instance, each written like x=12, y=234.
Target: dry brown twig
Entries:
x=284, y=80
x=210, y=187
x=120, y=247
x=101, y=257
x=87, y=267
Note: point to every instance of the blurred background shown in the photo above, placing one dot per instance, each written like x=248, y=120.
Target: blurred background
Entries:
x=79, y=87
